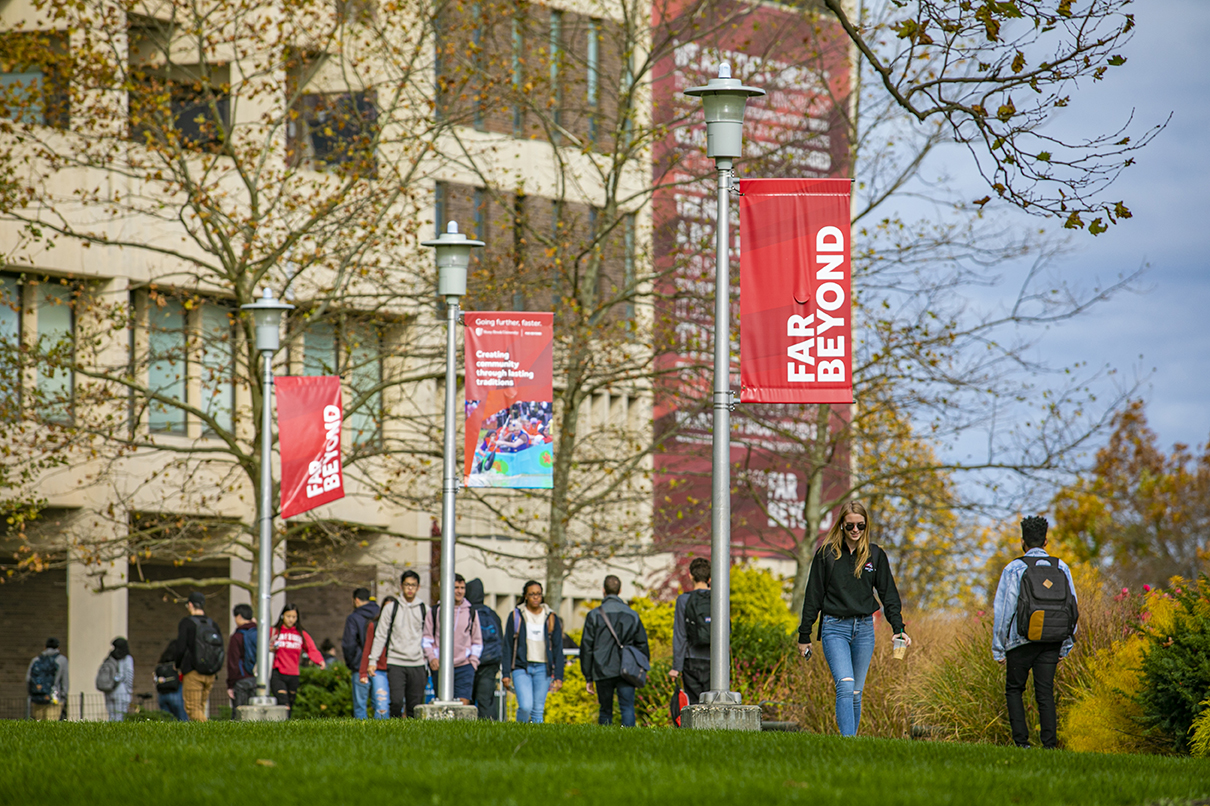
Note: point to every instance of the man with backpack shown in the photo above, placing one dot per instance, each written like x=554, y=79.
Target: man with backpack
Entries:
x=241, y=659
x=1035, y=617
x=352, y=645
x=200, y=655
x=400, y=632
x=468, y=642
x=613, y=636
x=46, y=682
x=691, y=633
x=484, y=687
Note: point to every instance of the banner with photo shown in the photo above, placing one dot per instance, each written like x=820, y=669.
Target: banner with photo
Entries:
x=796, y=325
x=509, y=399
x=309, y=417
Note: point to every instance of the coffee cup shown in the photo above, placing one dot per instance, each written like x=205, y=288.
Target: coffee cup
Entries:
x=898, y=647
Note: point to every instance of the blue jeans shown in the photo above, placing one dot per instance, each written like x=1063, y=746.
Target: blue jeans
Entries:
x=848, y=644
x=380, y=695
x=174, y=703
x=625, y=691
x=361, y=693
x=531, y=684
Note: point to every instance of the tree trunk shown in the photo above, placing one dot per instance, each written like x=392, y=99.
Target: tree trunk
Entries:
x=813, y=514
x=553, y=550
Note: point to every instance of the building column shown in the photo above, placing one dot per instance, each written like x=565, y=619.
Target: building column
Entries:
x=94, y=618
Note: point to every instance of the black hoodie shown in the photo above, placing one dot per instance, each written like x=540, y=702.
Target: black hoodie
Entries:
x=352, y=643
x=489, y=624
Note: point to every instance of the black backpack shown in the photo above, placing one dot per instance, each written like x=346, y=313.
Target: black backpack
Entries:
x=208, y=651
x=167, y=679
x=697, y=619
x=1046, y=605
x=42, y=678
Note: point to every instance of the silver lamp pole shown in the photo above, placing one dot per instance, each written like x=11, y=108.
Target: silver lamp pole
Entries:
x=453, y=257
x=266, y=313
x=724, y=99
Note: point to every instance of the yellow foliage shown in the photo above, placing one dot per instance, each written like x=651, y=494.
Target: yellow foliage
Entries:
x=657, y=618
x=572, y=705
x=1199, y=745
x=756, y=596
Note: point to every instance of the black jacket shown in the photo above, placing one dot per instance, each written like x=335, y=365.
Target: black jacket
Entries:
x=834, y=591
x=600, y=656
x=186, y=637
x=352, y=643
x=516, y=648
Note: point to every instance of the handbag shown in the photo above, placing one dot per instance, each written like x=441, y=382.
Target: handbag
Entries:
x=634, y=664
x=679, y=700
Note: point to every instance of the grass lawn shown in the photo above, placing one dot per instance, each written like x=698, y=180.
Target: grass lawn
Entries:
x=474, y=764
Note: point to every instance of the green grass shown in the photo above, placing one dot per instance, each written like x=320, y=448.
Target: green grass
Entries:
x=475, y=764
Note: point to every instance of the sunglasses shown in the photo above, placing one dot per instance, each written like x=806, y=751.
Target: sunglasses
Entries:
x=855, y=527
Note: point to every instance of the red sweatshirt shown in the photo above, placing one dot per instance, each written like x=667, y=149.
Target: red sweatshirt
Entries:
x=287, y=647
x=381, y=666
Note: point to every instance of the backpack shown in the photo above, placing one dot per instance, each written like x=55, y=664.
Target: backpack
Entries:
x=697, y=619
x=108, y=675
x=167, y=679
x=42, y=678
x=247, y=664
x=208, y=652
x=1046, y=605
x=493, y=635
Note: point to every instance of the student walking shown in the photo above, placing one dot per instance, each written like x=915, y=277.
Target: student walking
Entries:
x=468, y=642
x=691, y=633
x=46, y=683
x=289, y=641
x=1033, y=628
x=115, y=679
x=846, y=571
x=484, y=687
x=601, y=652
x=200, y=655
x=241, y=659
x=399, y=636
x=353, y=646
x=533, y=657
x=375, y=679
x=168, y=683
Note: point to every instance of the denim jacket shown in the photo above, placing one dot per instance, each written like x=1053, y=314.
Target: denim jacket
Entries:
x=1004, y=632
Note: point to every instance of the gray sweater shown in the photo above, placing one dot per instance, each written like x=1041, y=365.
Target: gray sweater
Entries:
x=406, y=634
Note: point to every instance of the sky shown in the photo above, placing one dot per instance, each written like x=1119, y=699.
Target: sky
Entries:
x=1158, y=336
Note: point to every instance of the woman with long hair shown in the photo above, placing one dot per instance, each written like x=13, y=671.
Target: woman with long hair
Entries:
x=533, y=653
x=846, y=571
x=288, y=641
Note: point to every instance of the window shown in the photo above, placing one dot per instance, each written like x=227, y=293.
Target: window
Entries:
x=440, y=203
x=592, y=82
x=319, y=350
x=556, y=55
x=33, y=79
x=56, y=342
x=217, y=366
x=174, y=109
x=166, y=372
x=628, y=266
x=519, y=224
x=480, y=212
x=478, y=58
x=353, y=352
x=334, y=130
x=518, y=70
x=10, y=346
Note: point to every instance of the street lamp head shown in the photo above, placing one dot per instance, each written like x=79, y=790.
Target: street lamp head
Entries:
x=724, y=99
x=453, y=258
x=266, y=313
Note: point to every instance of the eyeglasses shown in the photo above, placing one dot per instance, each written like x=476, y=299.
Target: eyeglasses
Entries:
x=858, y=527
x=534, y=593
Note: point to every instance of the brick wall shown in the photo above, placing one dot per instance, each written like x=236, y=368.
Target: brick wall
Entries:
x=31, y=611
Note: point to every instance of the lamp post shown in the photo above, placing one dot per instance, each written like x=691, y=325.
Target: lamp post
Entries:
x=266, y=313
x=453, y=258
x=724, y=99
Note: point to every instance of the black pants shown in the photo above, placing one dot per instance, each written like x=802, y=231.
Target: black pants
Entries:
x=407, y=688
x=1042, y=659
x=695, y=677
x=243, y=689
x=485, y=689
x=284, y=687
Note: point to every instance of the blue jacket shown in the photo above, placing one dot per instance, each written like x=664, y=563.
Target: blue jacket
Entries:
x=1005, y=636
x=515, y=644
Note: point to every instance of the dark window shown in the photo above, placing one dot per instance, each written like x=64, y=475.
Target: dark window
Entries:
x=335, y=129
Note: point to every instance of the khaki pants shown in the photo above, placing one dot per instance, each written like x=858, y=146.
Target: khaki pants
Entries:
x=196, y=690
x=45, y=712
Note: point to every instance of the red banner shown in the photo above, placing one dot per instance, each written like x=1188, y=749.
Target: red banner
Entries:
x=308, y=434
x=509, y=394
x=796, y=329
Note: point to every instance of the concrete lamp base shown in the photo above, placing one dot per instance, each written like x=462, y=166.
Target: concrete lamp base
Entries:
x=262, y=713
x=446, y=711
x=721, y=716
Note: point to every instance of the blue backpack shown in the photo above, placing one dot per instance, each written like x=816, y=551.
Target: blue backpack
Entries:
x=247, y=664
x=493, y=635
x=42, y=678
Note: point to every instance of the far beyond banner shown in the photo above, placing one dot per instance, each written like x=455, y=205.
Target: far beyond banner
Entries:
x=308, y=433
x=796, y=334
x=509, y=395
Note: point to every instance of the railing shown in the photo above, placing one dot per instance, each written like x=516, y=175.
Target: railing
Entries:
x=91, y=707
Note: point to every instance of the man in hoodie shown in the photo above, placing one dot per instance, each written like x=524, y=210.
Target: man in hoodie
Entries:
x=601, y=656
x=489, y=662
x=468, y=642
x=402, y=624
x=352, y=644
x=46, y=680
x=241, y=659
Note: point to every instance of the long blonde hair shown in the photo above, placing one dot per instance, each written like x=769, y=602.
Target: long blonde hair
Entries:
x=836, y=535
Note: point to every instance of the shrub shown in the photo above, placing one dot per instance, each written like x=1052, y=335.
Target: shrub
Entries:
x=1199, y=743
x=759, y=598
x=1176, y=665
x=323, y=693
x=571, y=705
